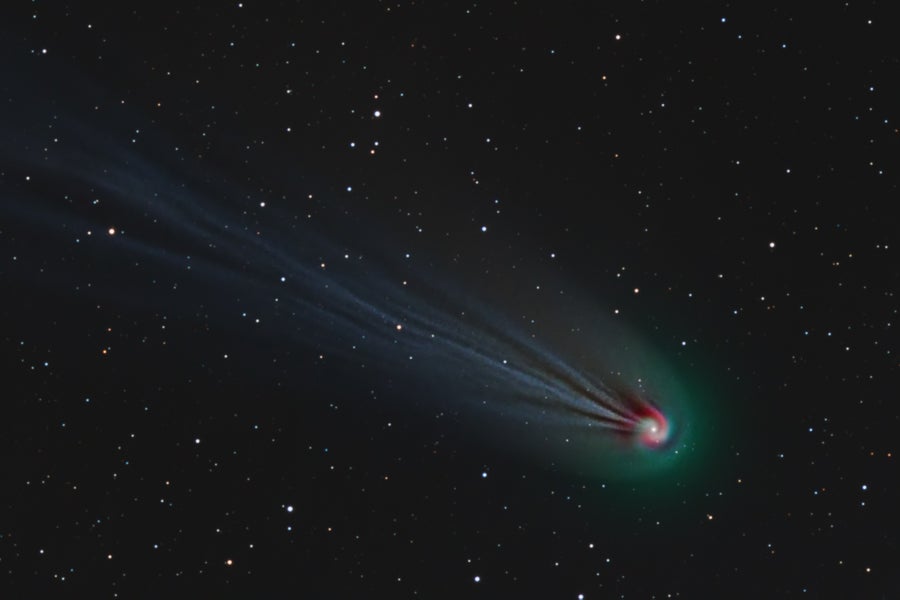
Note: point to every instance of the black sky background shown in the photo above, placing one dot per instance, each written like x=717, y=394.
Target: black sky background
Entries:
x=678, y=152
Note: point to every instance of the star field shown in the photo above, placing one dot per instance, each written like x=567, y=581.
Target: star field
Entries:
x=375, y=300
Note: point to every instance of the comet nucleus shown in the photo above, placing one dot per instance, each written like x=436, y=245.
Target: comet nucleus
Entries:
x=653, y=429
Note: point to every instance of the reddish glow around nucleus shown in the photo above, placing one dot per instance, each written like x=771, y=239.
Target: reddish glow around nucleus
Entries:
x=652, y=428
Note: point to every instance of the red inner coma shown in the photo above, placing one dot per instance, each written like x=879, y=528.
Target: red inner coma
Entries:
x=652, y=427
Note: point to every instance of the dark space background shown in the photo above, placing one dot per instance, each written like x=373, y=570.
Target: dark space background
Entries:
x=737, y=164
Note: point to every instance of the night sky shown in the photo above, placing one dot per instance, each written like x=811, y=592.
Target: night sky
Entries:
x=449, y=300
